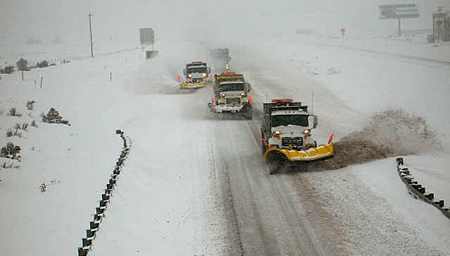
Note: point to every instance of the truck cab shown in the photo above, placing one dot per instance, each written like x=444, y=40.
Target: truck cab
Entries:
x=231, y=94
x=220, y=57
x=196, y=72
x=287, y=125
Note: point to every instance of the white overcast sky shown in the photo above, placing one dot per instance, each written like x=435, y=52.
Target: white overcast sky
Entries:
x=121, y=19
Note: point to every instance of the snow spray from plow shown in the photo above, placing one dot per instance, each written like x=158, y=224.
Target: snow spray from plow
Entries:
x=100, y=211
x=388, y=134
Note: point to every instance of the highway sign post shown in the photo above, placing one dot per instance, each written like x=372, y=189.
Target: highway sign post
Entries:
x=147, y=36
x=398, y=11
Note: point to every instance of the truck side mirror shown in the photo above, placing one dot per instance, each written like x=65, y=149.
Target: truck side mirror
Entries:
x=315, y=121
x=249, y=87
x=209, y=70
x=184, y=71
x=312, y=121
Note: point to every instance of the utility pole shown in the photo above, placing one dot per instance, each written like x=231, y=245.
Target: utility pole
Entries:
x=439, y=22
x=90, y=33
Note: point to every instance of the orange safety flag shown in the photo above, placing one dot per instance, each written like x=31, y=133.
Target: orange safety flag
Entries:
x=331, y=138
x=179, y=78
x=251, y=100
x=212, y=100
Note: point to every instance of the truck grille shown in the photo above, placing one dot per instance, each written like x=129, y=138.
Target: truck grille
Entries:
x=296, y=142
x=197, y=80
x=233, y=101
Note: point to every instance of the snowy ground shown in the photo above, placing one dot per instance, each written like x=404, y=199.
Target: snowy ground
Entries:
x=369, y=82
x=169, y=200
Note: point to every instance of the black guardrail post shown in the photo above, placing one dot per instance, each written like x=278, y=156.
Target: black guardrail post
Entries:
x=417, y=189
x=106, y=196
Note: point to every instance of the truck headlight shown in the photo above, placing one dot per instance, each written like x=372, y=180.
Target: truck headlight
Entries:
x=243, y=94
x=276, y=133
x=222, y=95
x=204, y=75
x=190, y=75
x=307, y=133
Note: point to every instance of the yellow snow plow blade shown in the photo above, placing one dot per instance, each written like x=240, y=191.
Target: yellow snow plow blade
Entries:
x=186, y=85
x=312, y=154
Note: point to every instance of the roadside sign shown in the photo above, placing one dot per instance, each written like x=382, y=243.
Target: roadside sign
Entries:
x=398, y=11
x=147, y=36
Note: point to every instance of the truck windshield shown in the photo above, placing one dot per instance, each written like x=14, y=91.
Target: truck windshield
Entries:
x=231, y=87
x=197, y=70
x=284, y=120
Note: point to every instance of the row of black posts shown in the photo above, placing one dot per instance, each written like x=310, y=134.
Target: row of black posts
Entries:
x=100, y=210
x=417, y=189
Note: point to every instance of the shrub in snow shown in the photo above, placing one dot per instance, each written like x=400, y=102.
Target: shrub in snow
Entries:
x=42, y=64
x=7, y=70
x=10, y=151
x=6, y=165
x=53, y=117
x=22, y=65
x=11, y=133
x=43, y=187
x=30, y=104
x=13, y=112
x=34, y=124
x=23, y=126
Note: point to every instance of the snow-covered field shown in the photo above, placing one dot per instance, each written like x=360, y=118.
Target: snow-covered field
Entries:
x=167, y=201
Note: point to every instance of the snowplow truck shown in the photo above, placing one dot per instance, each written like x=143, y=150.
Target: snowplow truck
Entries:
x=221, y=59
x=231, y=95
x=286, y=135
x=196, y=75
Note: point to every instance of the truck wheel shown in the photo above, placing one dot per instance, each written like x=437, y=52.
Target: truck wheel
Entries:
x=248, y=112
x=276, y=160
x=273, y=169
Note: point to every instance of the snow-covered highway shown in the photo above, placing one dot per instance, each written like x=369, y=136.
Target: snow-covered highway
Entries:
x=195, y=184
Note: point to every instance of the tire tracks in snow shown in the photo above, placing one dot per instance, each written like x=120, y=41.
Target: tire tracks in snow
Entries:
x=241, y=210
x=237, y=225
x=280, y=184
x=221, y=179
x=260, y=211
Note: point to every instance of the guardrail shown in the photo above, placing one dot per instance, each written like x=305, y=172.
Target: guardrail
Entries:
x=94, y=225
x=418, y=190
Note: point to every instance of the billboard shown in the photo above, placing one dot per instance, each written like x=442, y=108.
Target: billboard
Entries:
x=398, y=11
x=147, y=36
